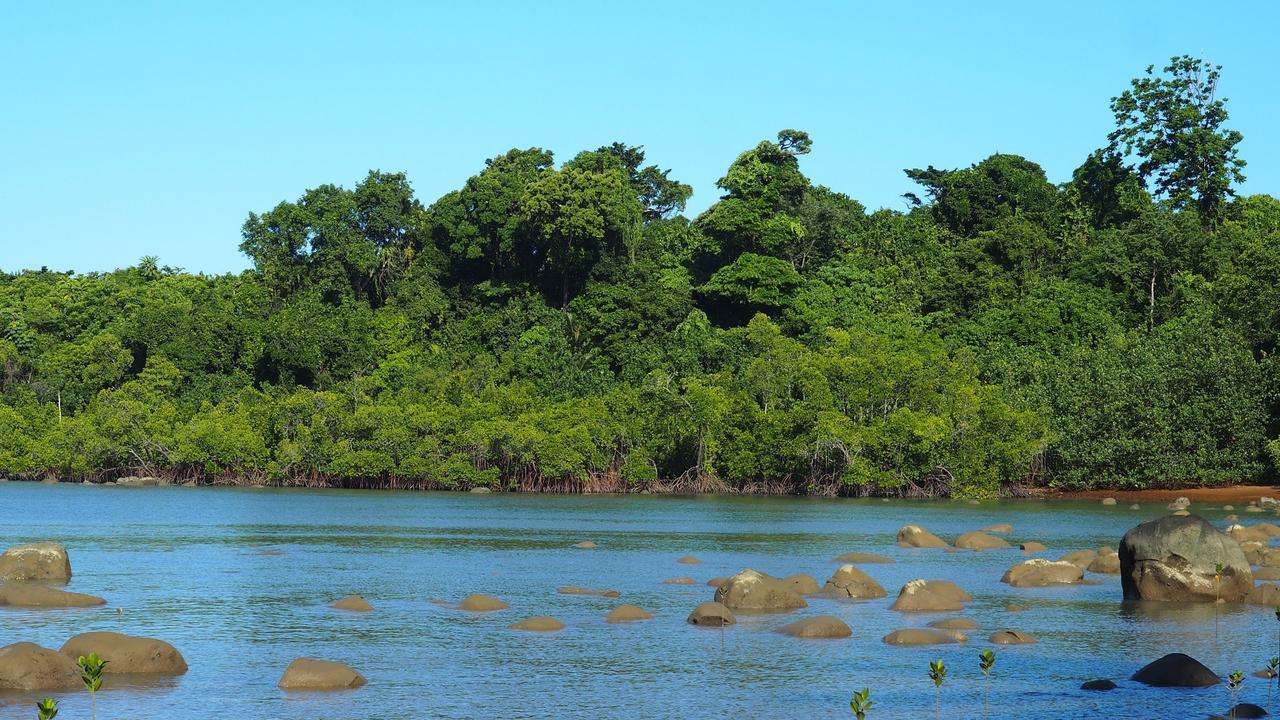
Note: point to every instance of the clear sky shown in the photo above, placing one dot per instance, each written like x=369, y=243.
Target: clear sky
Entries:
x=153, y=128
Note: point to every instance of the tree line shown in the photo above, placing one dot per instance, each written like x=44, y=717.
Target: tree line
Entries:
x=567, y=327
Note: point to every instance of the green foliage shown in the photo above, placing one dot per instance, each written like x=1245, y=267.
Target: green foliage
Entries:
x=91, y=669
x=861, y=703
x=563, y=327
x=47, y=709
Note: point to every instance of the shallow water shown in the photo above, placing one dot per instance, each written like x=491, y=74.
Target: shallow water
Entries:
x=239, y=580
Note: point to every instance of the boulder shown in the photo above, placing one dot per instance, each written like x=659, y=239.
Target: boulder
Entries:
x=1267, y=573
x=1014, y=607
x=850, y=582
x=27, y=666
x=688, y=560
x=914, y=536
x=711, y=614
x=1080, y=558
x=1012, y=637
x=126, y=654
x=575, y=590
x=1100, y=685
x=924, y=636
x=1135, y=506
x=539, y=623
x=1105, y=565
x=480, y=491
x=1174, y=559
x=802, y=584
x=756, y=592
x=1246, y=710
x=627, y=613
x=482, y=603
x=680, y=581
x=1032, y=547
x=586, y=545
x=352, y=602
x=1255, y=533
x=716, y=582
x=1176, y=670
x=37, y=562
x=1002, y=528
x=1108, y=501
x=957, y=623
x=860, y=558
x=1266, y=594
x=1039, y=572
x=981, y=541
x=822, y=626
x=310, y=674
x=38, y=596
x=926, y=596
x=1257, y=554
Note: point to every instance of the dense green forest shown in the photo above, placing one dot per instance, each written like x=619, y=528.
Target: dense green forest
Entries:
x=567, y=327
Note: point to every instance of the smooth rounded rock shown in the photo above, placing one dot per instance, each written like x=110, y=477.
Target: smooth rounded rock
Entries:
x=627, y=613
x=586, y=545
x=354, y=603
x=914, y=536
x=38, y=596
x=538, y=623
x=1012, y=637
x=850, y=582
x=1105, y=565
x=311, y=674
x=1032, y=547
x=680, y=581
x=861, y=558
x=688, y=560
x=802, y=584
x=126, y=654
x=1080, y=558
x=1002, y=528
x=1099, y=685
x=1265, y=594
x=482, y=603
x=820, y=627
x=575, y=590
x=959, y=623
x=927, y=596
x=1176, y=670
x=924, y=636
x=711, y=614
x=1108, y=501
x=1246, y=710
x=1039, y=572
x=754, y=591
x=36, y=562
x=27, y=666
x=716, y=582
x=981, y=541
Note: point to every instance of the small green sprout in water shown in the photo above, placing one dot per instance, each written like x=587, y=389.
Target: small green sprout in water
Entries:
x=986, y=661
x=91, y=668
x=47, y=709
x=937, y=673
x=1273, y=669
x=1234, y=681
x=861, y=703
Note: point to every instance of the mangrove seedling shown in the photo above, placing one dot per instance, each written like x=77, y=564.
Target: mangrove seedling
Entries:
x=937, y=673
x=91, y=667
x=986, y=661
x=47, y=709
x=1273, y=668
x=861, y=703
x=1234, y=681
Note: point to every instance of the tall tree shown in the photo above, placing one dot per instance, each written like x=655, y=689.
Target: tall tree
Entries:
x=1174, y=123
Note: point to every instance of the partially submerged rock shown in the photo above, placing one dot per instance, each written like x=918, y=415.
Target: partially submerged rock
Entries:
x=861, y=558
x=37, y=562
x=756, y=592
x=1265, y=594
x=924, y=636
x=850, y=582
x=802, y=584
x=1079, y=558
x=1002, y=528
x=914, y=536
x=1105, y=565
x=957, y=623
x=1032, y=547
x=482, y=603
x=689, y=560
x=1012, y=637
x=311, y=674
x=575, y=590
x=1175, y=559
x=538, y=623
x=1176, y=670
x=981, y=541
x=1245, y=710
x=927, y=596
x=127, y=654
x=585, y=545
x=822, y=626
x=1108, y=501
x=716, y=582
x=27, y=666
x=680, y=581
x=1039, y=572
x=711, y=614
x=1099, y=685
x=22, y=595
x=354, y=603
x=627, y=613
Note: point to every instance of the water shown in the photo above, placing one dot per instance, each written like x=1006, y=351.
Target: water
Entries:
x=239, y=581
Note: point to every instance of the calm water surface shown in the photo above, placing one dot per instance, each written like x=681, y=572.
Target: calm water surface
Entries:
x=239, y=580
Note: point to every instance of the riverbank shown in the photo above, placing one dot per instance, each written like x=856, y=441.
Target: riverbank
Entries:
x=1229, y=494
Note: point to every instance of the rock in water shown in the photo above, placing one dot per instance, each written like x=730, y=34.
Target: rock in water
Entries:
x=1032, y=547
x=711, y=614
x=1100, y=685
x=1081, y=558
x=1176, y=670
x=627, y=613
x=37, y=562
x=27, y=666
x=754, y=591
x=928, y=596
x=1105, y=564
x=860, y=558
x=1174, y=559
x=915, y=636
x=958, y=623
x=1003, y=528
x=914, y=536
x=310, y=674
x=980, y=541
x=822, y=626
x=1039, y=572
x=354, y=603
x=482, y=603
x=1265, y=594
x=540, y=623
x=801, y=583
x=1012, y=637
x=1246, y=710
x=850, y=582
x=126, y=654
x=39, y=596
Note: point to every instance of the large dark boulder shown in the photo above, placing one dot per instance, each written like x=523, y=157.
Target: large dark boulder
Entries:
x=1176, y=670
x=1173, y=558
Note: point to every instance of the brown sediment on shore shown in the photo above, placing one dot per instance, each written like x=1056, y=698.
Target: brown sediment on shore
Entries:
x=1235, y=494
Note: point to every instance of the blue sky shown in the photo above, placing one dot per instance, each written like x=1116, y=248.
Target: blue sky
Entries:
x=153, y=128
